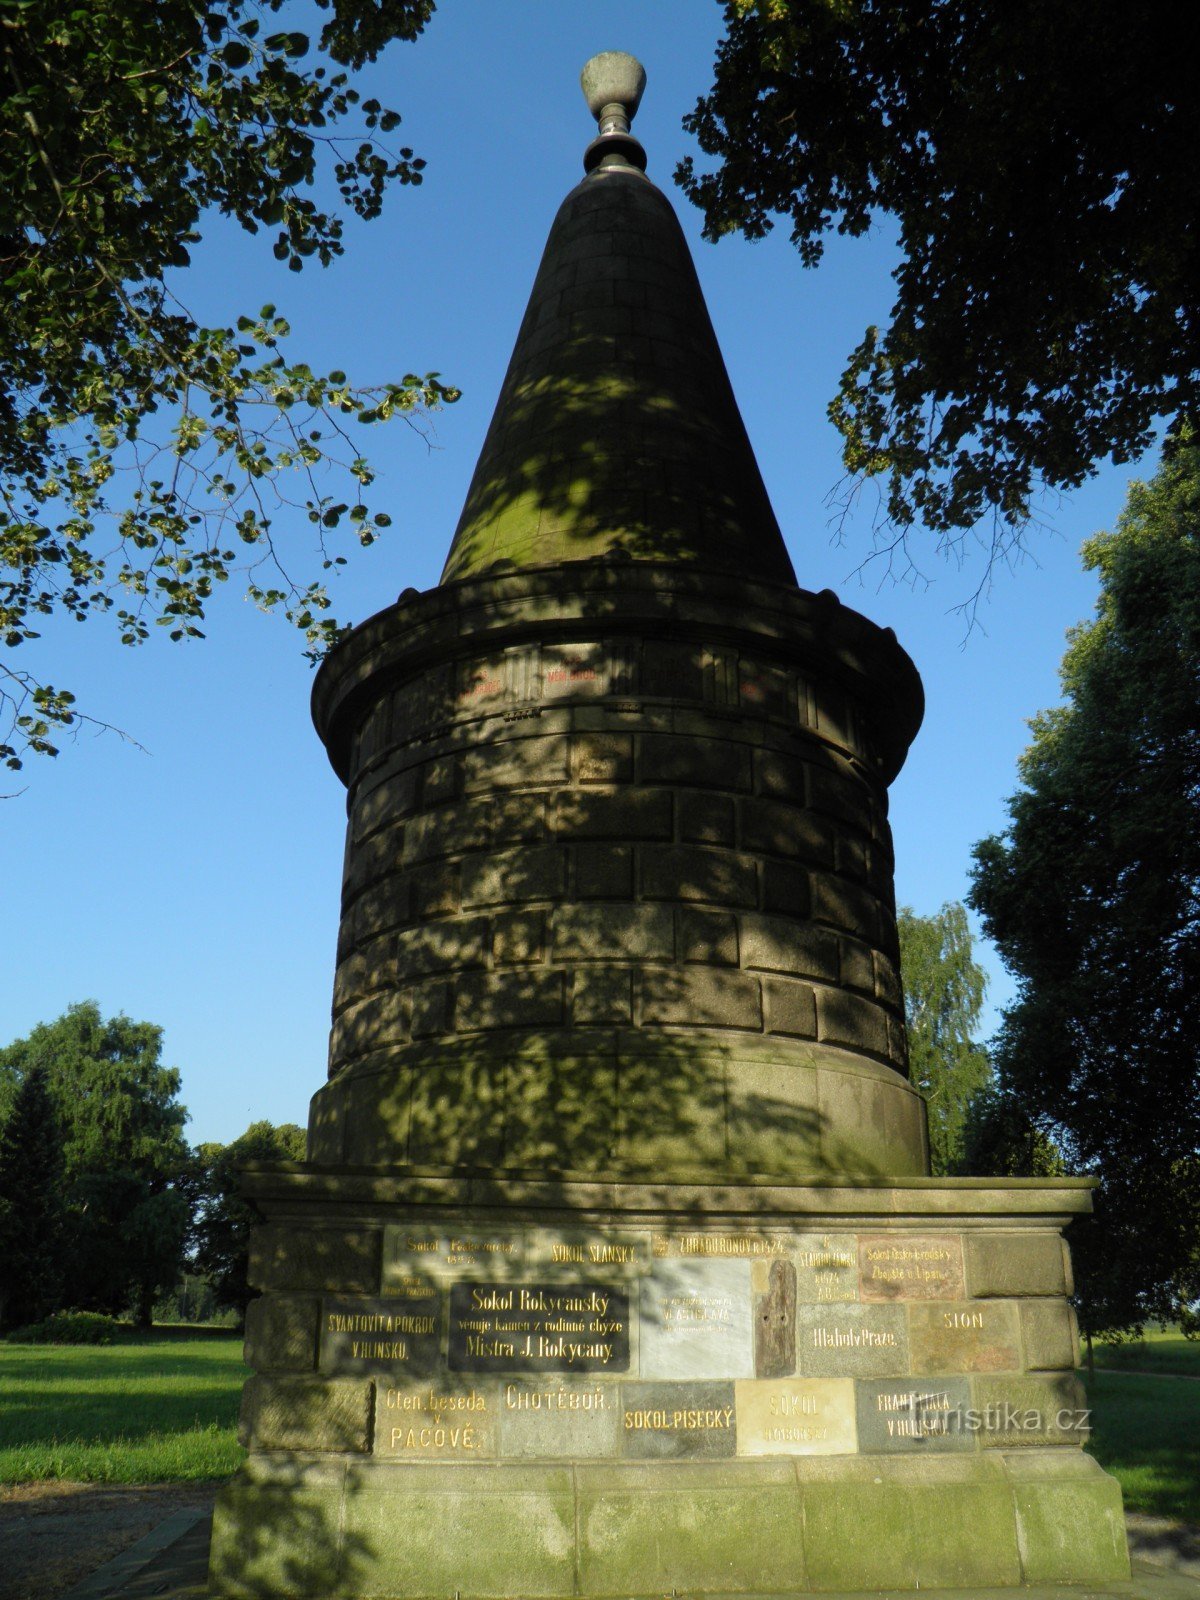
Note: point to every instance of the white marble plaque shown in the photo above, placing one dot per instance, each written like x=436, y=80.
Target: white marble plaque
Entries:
x=695, y=1320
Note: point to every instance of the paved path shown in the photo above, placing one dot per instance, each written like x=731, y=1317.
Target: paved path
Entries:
x=55, y=1536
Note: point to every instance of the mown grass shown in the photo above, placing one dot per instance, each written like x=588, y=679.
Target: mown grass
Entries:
x=1160, y=1350
x=1146, y=1432
x=159, y=1410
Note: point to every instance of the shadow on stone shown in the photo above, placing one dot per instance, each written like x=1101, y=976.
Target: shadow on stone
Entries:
x=278, y=1530
x=616, y=431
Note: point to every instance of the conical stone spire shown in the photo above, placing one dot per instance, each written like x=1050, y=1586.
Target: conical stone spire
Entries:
x=616, y=433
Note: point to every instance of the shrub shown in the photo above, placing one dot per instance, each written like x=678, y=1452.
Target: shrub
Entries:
x=69, y=1327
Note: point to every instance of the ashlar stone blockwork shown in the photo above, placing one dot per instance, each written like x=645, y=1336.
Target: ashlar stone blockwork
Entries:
x=845, y=1386
x=627, y=827
x=616, y=427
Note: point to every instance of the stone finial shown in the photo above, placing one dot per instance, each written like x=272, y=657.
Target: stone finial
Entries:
x=612, y=84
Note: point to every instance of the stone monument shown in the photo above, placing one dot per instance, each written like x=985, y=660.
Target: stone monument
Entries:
x=615, y=1267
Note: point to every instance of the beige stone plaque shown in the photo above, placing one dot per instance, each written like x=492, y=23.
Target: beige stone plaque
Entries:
x=965, y=1336
x=795, y=1416
x=483, y=683
x=910, y=1266
x=826, y=1267
x=572, y=669
x=411, y=1254
x=435, y=1422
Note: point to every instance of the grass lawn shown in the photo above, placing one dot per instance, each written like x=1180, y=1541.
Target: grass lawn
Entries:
x=1146, y=1432
x=157, y=1409
x=1161, y=1350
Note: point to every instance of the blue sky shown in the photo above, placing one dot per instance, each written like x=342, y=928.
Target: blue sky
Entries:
x=196, y=885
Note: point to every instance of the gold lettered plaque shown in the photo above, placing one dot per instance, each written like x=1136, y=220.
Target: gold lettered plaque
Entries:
x=911, y=1266
x=795, y=1417
x=435, y=1422
x=400, y=1333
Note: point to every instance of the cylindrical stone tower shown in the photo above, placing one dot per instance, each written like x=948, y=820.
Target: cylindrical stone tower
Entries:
x=618, y=891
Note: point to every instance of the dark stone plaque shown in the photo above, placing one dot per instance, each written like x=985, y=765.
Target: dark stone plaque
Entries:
x=915, y=1414
x=538, y=1327
x=384, y=1336
x=696, y=1421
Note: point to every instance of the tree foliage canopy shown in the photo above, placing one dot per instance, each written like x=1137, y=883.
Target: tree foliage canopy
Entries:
x=944, y=988
x=1093, y=898
x=31, y=1204
x=139, y=450
x=225, y=1219
x=123, y=1152
x=1039, y=163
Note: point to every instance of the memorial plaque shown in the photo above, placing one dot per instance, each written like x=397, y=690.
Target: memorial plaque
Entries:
x=826, y=1267
x=973, y=1336
x=774, y=1286
x=695, y=1320
x=385, y=1336
x=538, y=1327
x=717, y=1245
x=767, y=689
x=795, y=1417
x=909, y=1266
x=589, y=1249
x=435, y=1423
x=669, y=1421
x=574, y=669
x=483, y=683
x=852, y=1341
x=915, y=1415
x=417, y=1254
x=559, y=1419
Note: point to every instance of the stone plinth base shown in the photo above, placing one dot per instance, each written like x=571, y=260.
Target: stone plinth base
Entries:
x=292, y=1526
x=542, y=1388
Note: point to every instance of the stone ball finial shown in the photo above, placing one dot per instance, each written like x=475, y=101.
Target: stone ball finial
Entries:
x=614, y=79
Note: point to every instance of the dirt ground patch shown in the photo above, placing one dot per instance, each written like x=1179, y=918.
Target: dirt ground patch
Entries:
x=52, y=1535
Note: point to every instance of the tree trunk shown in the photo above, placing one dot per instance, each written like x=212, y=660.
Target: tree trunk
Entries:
x=145, y=1308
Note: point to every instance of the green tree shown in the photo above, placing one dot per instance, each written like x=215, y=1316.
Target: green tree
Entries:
x=123, y=1154
x=31, y=1208
x=125, y=127
x=944, y=988
x=1038, y=162
x=1093, y=897
x=224, y=1219
x=1001, y=1140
